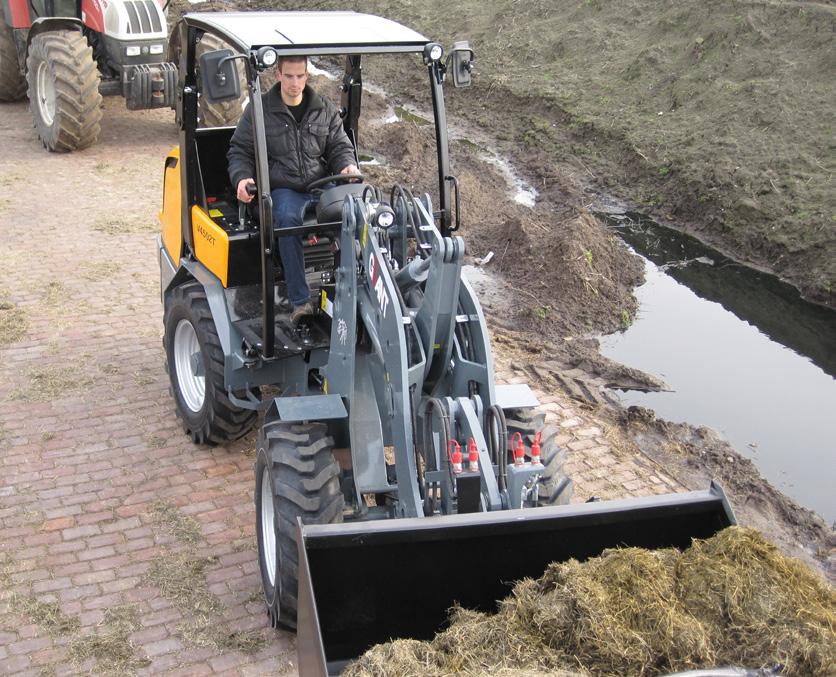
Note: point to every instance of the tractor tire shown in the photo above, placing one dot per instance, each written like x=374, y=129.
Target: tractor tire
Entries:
x=555, y=488
x=295, y=476
x=64, y=90
x=225, y=113
x=12, y=82
x=195, y=364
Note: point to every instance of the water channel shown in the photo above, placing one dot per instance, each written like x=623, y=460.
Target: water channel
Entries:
x=741, y=353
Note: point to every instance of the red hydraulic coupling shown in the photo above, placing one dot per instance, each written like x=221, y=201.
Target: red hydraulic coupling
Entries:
x=519, y=450
x=472, y=456
x=455, y=457
x=535, y=449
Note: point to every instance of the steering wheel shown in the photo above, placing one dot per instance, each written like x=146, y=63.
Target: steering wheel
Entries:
x=338, y=178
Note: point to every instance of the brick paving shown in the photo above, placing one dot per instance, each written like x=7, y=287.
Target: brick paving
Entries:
x=90, y=451
x=595, y=464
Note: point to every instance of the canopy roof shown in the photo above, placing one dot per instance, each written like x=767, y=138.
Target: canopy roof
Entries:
x=310, y=32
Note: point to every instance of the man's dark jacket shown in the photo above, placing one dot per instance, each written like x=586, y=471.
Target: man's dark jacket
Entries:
x=297, y=153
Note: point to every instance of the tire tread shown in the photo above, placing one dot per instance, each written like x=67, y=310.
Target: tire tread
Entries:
x=555, y=488
x=308, y=488
x=76, y=80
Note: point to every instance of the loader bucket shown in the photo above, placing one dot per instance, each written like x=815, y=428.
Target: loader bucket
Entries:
x=363, y=583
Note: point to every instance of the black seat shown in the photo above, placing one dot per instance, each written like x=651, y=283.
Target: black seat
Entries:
x=330, y=205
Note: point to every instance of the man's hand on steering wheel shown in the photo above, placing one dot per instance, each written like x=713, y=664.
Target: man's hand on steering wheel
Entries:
x=349, y=174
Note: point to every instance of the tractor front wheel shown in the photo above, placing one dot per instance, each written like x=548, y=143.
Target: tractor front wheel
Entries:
x=64, y=90
x=295, y=476
x=555, y=488
x=195, y=363
x=12, y=83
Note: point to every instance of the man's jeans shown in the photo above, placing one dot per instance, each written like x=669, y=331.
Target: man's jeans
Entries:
x=287, y=213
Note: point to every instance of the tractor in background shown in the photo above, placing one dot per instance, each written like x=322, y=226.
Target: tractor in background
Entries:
x=66, y=54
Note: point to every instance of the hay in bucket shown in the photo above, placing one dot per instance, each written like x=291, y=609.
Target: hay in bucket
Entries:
x=733, y=599
x=758, y=605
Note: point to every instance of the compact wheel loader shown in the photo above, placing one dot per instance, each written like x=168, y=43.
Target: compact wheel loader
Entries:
x=393, y=477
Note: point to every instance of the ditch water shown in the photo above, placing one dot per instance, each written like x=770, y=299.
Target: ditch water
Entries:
x=741, y=353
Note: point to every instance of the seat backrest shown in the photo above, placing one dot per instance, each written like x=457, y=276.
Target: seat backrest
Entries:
x=212, y=146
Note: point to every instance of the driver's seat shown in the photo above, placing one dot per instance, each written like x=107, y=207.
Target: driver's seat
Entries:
x=329, y=207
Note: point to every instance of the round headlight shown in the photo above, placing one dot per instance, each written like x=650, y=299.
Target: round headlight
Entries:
x=267, y=56
x=385, y=219
x=432, y=53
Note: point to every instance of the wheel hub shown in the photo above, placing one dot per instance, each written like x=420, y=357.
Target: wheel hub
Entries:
x=45, y=93
x=268, y=528
x=188, y=365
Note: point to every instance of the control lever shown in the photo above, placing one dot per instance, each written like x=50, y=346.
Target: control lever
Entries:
x=242, y=206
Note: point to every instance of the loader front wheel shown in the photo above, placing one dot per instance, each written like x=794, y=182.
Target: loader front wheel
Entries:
x=555, y=488
x=64, y=97
x=195, y=363
x=295, y=476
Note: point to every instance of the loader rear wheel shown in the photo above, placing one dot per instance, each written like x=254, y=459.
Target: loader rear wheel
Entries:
x=12, y=83
x=64, y=90
x=195, y=363
x=555, y=488
x=295, y=476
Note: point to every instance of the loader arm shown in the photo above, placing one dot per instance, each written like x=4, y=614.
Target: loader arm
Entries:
x=378, y=374
x=436, y=316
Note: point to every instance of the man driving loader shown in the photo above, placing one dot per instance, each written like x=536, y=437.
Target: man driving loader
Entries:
x=305, y=141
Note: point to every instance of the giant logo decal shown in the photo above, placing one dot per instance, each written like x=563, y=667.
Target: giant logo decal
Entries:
x=376, y=282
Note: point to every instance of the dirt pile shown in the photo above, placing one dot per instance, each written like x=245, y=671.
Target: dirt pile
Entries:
x=567, y=273
x=732, y=599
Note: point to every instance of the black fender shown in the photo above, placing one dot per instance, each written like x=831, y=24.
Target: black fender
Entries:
x=53, y=23
x=44, y=25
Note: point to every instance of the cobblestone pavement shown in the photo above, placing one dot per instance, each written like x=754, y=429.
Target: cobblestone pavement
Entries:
x=123, y=546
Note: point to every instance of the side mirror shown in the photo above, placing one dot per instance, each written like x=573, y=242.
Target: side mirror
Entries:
x=218, y=76
x=462, y=58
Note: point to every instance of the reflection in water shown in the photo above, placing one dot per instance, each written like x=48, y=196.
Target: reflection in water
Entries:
x=774, y=307
x=774, y=403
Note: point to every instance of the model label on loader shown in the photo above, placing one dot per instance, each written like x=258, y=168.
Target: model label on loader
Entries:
x=206, y=234
x=377, y=285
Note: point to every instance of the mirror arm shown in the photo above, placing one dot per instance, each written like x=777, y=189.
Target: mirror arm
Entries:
x=219, y=74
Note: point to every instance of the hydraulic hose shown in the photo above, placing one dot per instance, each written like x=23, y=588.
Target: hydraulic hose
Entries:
x=434, y=405
x=401, y=192
x=498, y=442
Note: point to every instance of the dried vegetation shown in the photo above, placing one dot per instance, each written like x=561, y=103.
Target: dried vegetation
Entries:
x=733, y=599
x=51, y=382
x=110, y=644
x=13, y=322
x=181, y=577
